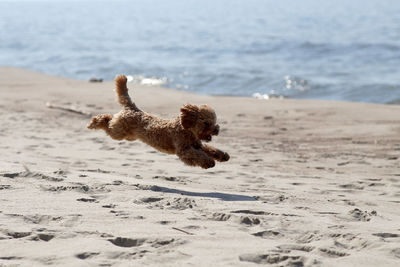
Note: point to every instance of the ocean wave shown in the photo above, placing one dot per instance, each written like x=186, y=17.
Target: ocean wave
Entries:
x=296, y=83
x=267, y=96
x=260, y=96
x=146, y=80
x=354, y=57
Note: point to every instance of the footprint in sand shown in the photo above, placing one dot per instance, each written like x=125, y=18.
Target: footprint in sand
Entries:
x=136, y=242
x=9, y=258
x=333, y=253
x=181, y=203
x=29, y=174
x=176, y=203
x=308, y=237
x=219, y=216
x=166, y=222
x=61, y=188
x=163, y=242
x=109, y=206
x=386, y=235
x=273, y=259
x=4, y=186
x=150, y=199
x=249, y=220
x=359, y=215
x=127, y=242
x=90, y=200
x=43, y=237
x=96, y=170
x=170, y=178
x=349, y=241
x=396, y=252
x=120, y=213
x=254, y=212
x=288, y=248
x=41, y=219
x=269, y=234
x=18, y=234
x=352, y=186
x=86, y=255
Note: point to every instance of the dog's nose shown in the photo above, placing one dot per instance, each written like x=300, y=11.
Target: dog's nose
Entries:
x=216, y=130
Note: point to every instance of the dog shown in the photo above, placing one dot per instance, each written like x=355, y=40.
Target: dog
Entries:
x=182, y=136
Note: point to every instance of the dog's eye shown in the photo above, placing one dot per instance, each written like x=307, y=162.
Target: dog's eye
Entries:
x=207, y=124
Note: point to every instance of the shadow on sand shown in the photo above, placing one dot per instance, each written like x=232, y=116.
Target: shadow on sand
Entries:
x=222, y=196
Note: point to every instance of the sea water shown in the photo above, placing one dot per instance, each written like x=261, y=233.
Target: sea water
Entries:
x=334, y=49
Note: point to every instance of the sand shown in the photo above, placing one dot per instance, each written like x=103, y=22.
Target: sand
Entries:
x=309, y=183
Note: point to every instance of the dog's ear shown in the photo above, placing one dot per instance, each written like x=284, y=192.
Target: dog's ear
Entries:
x=189, y=115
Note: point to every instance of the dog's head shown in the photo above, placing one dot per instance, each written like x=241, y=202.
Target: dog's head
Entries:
x=201, y=120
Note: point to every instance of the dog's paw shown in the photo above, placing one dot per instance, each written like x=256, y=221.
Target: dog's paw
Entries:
x=225, y=157
x=208, y=164
x=221, y=156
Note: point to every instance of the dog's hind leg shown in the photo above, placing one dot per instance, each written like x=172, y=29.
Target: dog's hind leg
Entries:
x=100, y=122
x=114, y=130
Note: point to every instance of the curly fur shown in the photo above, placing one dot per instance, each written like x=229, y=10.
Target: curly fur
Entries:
x=182, y=136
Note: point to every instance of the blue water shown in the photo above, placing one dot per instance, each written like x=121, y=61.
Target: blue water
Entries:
x=338, y=49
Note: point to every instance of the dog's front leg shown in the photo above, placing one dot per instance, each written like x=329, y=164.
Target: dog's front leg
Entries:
x=215, y=153
x=195, y=157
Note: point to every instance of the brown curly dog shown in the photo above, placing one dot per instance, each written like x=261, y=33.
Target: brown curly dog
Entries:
x=182, y=136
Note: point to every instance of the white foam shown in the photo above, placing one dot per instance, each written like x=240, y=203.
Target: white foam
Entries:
x=260, y=96
x=266, y=96
x=146, y=80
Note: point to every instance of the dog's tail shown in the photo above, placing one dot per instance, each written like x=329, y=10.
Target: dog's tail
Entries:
x=122, y=93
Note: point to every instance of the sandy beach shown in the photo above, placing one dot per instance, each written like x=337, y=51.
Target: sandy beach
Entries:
x=309, y=183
